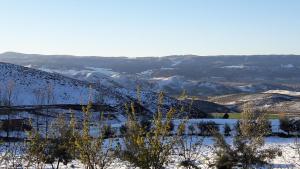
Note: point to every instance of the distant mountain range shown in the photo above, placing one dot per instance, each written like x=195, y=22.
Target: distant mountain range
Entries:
x=200, y=76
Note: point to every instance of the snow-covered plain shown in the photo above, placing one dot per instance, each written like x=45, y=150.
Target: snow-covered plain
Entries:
x=204, y=156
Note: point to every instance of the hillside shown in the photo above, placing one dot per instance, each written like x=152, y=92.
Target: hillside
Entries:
x=27, y=83
x=30, y=87
x=274, y=102
x=200, y=76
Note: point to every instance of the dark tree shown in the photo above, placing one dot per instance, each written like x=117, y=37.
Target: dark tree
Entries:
x=226, y=116
x=227, y=130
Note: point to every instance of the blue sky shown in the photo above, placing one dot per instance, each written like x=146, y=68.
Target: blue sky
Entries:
x=150, y=28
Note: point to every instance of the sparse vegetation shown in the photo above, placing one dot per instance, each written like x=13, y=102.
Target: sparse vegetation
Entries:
x=189, y=148
x=247, y=149
x=57, y=148
x=108, y=131
x=61, y=143
x=207, y=128
x=227, y=130
x=36, y=146
x=94, y=153
x=239, y=116
x=226, y=116
x=289, y=125
x=148, y=149
x=145, y=142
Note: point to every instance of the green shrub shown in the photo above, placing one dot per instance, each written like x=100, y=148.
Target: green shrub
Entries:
x=191, y=129
x=227, y=130
x=289, y=125
x=226, y=116
x=15, y=125
x=108, y=131
x=123, y=130
x=207, y=128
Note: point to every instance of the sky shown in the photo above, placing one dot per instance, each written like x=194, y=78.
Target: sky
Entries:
x=150, y=28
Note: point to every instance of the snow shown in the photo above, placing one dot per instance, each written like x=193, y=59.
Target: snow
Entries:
x=285, y=92
x=234, y=67
x=222, y=122
x=246, y=88
x=67, y=90
x=208, y=85
x=204, y=154
x=88, y=71
x=107, y=72
x=167, y=68
x=27, y=81
x=230, y=103
x=174, y=81
x=29, y=66
x=176, y=62
x=288, y=66
x=70, y=91
x=146, y=73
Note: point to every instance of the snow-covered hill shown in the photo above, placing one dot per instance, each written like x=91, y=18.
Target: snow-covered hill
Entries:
x=273, y=102
x=199, y=76
x=31, y=87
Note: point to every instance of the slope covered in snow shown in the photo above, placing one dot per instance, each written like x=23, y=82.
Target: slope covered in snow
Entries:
x=30, y=87
x=285, y=92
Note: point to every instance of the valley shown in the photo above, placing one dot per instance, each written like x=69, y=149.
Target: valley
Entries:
x=35, y=92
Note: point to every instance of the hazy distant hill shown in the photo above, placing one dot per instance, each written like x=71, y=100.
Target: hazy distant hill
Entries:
x=199, y=75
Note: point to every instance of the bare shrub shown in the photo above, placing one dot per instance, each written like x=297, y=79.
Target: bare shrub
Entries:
x=94, y=153
x=247, y=149
x=189, y=148
x=57, y=148
x=148, y=149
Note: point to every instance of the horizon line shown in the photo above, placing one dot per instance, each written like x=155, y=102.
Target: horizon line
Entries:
x=195, y=55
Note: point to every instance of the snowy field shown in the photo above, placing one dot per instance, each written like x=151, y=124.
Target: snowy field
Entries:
x=204, y=156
